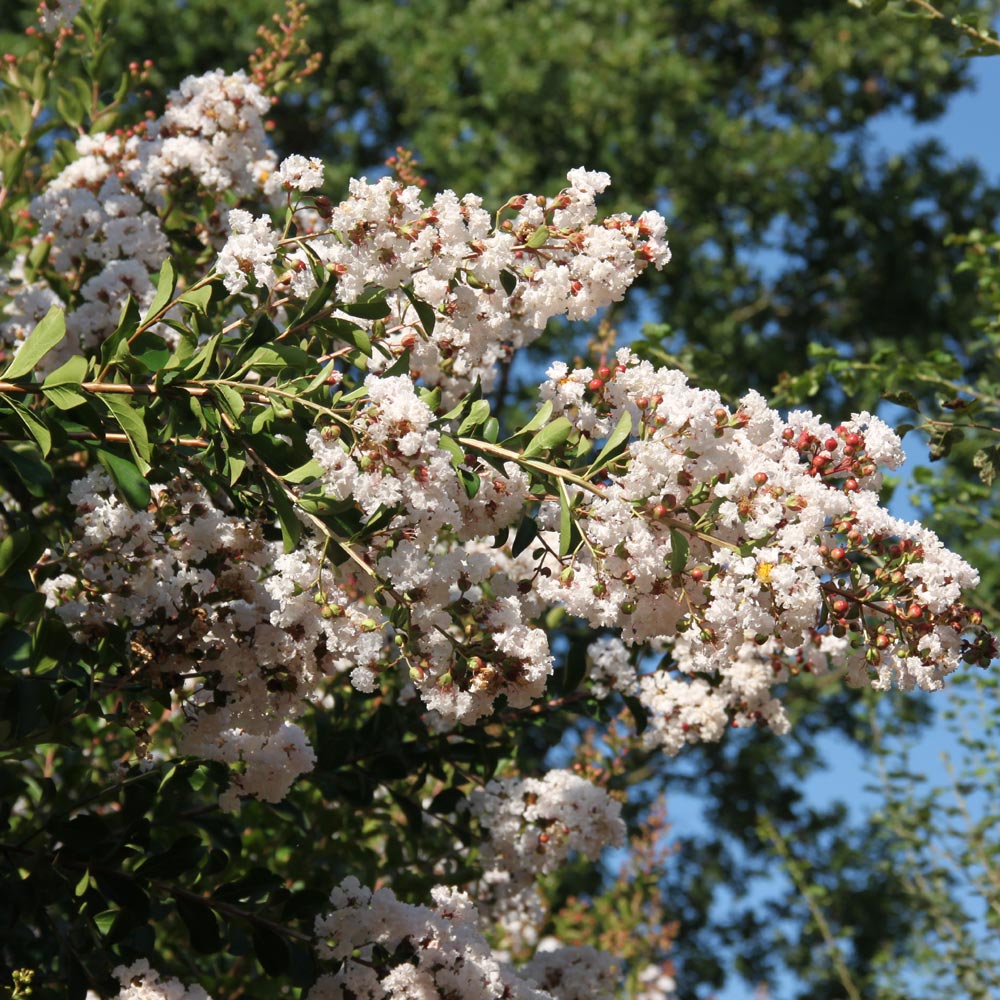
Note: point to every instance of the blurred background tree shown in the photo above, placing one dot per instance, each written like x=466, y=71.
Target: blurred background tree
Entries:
x=753, y=127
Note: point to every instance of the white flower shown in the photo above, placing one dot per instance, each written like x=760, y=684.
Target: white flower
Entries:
x=250, y=249
x=296, y=173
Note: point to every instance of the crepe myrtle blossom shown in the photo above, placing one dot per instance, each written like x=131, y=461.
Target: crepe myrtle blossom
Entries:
x=391, y=950
x=446, y=953
x=296, y=173
x=748, y=546
x=238, y=629
x=491, y=289
x=532, y=827
x=250, y=250
x=140, y=982
x=392, y=458
x=742, y=546
x=577, y=972
x=101, y=215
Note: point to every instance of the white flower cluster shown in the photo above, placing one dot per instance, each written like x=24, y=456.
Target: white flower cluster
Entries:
x=203, y=595
x=251, y=249
x=749, y=546
x=576, y=972
x=95, y=217
x=100, y=214
x=555, y=259
x=296, y=173
x=140, y=982
x=392, y=950
x=392, y=460
x=431, y=952
x=610, y=667
x=213, y=131
x=533, y=826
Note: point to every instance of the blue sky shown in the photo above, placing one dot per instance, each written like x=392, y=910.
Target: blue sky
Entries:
x=969, y=130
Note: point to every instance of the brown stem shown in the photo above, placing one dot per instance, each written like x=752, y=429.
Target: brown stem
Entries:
x=113, y=438
x=112, y=388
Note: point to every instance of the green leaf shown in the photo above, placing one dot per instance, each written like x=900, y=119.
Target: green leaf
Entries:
x=903, y=398
x=105, y=920
x=130, y=420
x=321, y=376
x=679, y=548
x=454, y=449
x=200, y=362
x=464, y=404
x=34, y=474
x=229, y=400
x=83, y=884
x=371, y=305
x=619, y=435
x=447, y=802
x=34, y=426
x=277, y=358
x=639, y=714
x=569, y=534
x=151, y=351
x=198, y=777
x=424, y=311
x=49, y=332
x=62, y=385
x=164, y=290
x=470, y=482
x=305, y=473
x=19, y=550
x=271, y=950
x=235, y=467
x=349, y=332
x=431, y=398
x=509, y=281
x=198, y=298
x=478, y=414
x=538, y=238
x=201, y=922
x=116, y=347
x=130, y=481
x=527, y=532
x=291, y=526
x=548, y=437
x=356, y=337
x=319, y=298
x=540, y=419
x=401, y=366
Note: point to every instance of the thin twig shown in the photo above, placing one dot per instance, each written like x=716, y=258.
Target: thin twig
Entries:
x=967, y=29
x=792, y=866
